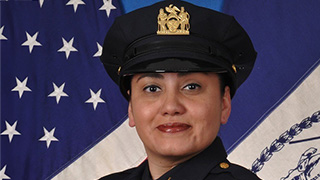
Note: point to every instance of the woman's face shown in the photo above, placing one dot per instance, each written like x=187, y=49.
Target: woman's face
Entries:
x=177, y=114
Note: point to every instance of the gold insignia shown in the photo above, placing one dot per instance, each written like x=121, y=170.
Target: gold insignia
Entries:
x=119, y=69
x=174, y=22
x=234, y=68
x=224, y=165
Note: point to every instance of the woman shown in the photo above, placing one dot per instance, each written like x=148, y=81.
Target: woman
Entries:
x=179, y=87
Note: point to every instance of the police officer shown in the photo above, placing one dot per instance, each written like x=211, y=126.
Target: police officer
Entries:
x=179, y=66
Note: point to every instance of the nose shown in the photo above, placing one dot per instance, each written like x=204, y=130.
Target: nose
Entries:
x=172, y=104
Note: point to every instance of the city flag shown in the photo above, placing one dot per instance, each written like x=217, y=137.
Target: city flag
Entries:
x=274, y=129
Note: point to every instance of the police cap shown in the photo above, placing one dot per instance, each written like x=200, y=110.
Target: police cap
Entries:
x=176, y=36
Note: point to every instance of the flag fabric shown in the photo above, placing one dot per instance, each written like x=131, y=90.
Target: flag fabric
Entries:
x=57, y=101
x=62, y=117
x=286, y=144
x=274, y=128
x=130, y=5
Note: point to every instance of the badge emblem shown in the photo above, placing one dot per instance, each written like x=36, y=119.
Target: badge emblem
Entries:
x=174, y=22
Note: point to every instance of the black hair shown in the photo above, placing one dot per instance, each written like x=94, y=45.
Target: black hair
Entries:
x=223, y=80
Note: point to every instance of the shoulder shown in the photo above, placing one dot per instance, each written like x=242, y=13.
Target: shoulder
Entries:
x=133, y=173
x=230, y=171
x=119, y=175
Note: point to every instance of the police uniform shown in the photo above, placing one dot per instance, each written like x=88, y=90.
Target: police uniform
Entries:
x=210, y=164
x=176, y=36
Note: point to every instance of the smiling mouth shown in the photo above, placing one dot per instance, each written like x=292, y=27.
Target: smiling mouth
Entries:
x=173, y=127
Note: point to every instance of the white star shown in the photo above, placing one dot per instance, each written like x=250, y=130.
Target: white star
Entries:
x=10, y=131
x=99, y=52
x=58, y=92
x=31, y=41
x=75, y=4
x=48, y=136
x=67, y=47
x=2, y=173
x=41, y=3
x=107, y=6
x=2, y=37
x=21, y=86
x=95, y=99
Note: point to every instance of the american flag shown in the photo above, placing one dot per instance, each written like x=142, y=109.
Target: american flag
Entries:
x=57, y=101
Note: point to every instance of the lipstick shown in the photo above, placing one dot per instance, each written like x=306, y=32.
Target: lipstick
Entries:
x=173, y=127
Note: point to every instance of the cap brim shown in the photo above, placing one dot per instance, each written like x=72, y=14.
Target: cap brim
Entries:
x=180, y=65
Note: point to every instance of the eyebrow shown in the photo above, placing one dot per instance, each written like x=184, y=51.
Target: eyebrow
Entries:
x=151, y=75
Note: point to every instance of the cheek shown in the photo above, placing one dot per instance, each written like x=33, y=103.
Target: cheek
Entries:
x=207, y=115
x=143, y=113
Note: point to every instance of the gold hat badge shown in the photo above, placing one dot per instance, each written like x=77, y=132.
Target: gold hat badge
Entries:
x=174, y=22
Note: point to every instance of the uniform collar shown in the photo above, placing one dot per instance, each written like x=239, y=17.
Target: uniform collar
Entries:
x=197, y=167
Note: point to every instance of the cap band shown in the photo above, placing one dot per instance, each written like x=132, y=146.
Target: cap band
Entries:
x=175, y=47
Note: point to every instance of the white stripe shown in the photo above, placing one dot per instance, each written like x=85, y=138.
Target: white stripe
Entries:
x=302, y=103
x=121, y=150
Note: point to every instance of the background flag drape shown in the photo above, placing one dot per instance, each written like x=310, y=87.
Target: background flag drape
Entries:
x=274, y=129
x=62, y=117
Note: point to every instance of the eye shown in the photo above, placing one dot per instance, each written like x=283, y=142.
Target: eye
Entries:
x=152, y=88
x=192, y=86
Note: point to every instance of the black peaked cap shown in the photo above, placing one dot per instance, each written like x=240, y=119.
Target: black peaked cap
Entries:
x=216, y=43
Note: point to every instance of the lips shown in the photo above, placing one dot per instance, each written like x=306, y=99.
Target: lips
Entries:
x=173, y=127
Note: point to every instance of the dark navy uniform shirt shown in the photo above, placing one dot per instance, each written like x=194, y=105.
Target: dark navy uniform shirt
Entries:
x=210, y=164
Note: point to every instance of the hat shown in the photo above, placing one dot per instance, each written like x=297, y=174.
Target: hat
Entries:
x=176, y=36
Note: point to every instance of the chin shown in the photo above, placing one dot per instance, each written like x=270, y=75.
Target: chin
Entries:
x=177, y=146
x=177, y=149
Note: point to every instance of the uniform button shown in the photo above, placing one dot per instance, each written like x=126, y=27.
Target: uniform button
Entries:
x=224, y=165
x=169, y=178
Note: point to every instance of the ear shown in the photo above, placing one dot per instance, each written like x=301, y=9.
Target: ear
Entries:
x=130, y=115
x=226, y=105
